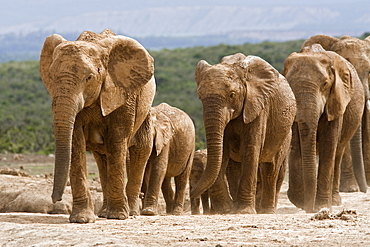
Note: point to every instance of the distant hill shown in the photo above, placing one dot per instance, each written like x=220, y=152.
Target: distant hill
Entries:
x=164, y=24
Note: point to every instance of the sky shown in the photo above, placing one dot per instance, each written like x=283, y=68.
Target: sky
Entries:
x=15, y=13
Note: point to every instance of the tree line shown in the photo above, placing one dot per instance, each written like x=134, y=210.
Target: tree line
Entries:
x=25, y=106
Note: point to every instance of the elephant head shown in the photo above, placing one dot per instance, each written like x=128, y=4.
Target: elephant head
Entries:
x=323, y=83
x=356, y=51
x=162, y=128
x=239, y=86
x=96, y=69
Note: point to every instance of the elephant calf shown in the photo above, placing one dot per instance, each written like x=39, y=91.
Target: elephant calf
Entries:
x=199, y=164
x=171, y=134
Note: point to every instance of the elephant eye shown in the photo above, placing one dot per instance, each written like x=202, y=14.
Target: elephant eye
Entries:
x=232, y=95
x=89, y=77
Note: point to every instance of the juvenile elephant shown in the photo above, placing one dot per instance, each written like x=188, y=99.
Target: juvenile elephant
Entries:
x=102, y=88
x=172, y=136
x=357, y=52
x=197, y=170
x=248, y=110
x=233, y=173
x=330, y=102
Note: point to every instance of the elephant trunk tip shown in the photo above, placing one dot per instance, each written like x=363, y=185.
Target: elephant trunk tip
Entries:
x=56, y=196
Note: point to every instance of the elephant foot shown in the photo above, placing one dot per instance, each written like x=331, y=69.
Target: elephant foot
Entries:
x=82, y=216
x=348, y=186
x=320, y=205
x=149, y=211
x=336, y=199
x=134, y=205
x=245, y=209
x=177, y=210
x=266, y=211
x=102, y=213
x=120, y=213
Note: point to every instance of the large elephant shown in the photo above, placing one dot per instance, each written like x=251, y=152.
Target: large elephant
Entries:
x=330, y=102
x=357, y=52
x=172, y=138
x=102, y=88
x=248, y=110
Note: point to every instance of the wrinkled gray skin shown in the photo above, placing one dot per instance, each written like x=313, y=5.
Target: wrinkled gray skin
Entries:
x=357, y=52
x=171, y=134
x=330, y=102
x=248, y=110
x=102, y=88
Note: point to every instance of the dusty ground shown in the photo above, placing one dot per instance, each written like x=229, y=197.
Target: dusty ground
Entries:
x=289, y=227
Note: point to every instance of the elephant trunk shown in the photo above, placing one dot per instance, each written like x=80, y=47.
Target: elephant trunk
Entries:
x=64, y=112
x=215, y=123
x=307, y=117
x=308, y=147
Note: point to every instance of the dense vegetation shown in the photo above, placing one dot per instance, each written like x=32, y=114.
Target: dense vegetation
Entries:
x=25, y=106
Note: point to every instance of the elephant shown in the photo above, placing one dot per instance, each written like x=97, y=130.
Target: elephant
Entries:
x=357, y=52
x=233, y=173
x=172, y=135
x=248, y=111
x=197, y=170
x=330, y=101
x=102, y=87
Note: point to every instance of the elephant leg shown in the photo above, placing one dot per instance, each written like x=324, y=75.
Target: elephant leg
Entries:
x=156, y=178
x=366, y=143
x=117, y=151
x=280, y=179
x=347, y=178
x=296, y=189
x=221, y=201
x=195, y=206
x=328, y=144
x=101, y=160
x=180, y=183
x=358, y=161
x=233, y=172
x=83, y=209
x=269, y=176
x=168, y=195
x=205, y=202
x=336, y=198
x=137, y=165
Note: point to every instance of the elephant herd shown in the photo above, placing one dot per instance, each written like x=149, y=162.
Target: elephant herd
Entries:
x=258, y=123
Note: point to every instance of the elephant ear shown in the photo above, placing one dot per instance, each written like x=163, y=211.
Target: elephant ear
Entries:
x=261, y=80
x=129, y=66
x=162, y=126
x=341, y=91
x=201, y=67
x=46, y=59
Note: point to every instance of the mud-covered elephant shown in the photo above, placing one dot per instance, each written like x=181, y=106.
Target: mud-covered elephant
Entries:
x=330, y=102
x=248, y=110
x=171, y=134
x=357, y=52
x=102, y=88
